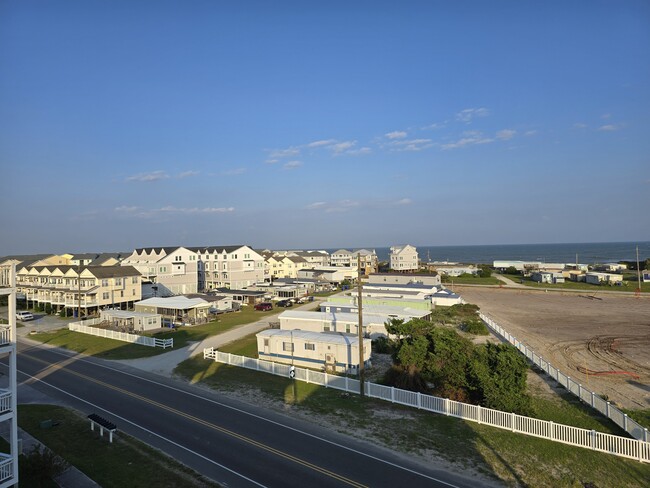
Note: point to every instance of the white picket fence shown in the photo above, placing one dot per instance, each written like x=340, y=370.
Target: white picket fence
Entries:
x=621, y=419
x=575, y=436
x=118, y=336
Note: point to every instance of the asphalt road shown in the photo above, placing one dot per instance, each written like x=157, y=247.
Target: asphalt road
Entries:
x=233, y=443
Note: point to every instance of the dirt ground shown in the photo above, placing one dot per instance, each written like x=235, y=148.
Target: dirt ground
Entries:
x=603, y=342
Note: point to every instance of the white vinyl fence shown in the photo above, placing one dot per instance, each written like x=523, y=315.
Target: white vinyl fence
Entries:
x=590, y=439
x=621, y=419
x=118, y=336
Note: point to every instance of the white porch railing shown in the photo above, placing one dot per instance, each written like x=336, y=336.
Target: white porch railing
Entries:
x=5, y=335
x=587, y=396
x=575, y=436
x=6, y=467
x=118, y=336
x=5, y=401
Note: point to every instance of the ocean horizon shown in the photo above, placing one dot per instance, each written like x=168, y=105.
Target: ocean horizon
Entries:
x=587, y=253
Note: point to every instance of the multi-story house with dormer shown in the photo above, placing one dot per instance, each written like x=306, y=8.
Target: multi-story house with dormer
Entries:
x=233, y=267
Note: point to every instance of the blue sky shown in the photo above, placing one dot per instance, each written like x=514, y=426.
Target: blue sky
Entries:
x=304, y=124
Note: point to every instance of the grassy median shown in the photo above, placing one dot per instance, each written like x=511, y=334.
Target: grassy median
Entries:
x=112, y=349
x=125, y=462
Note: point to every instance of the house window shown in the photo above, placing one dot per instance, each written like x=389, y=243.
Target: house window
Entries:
x=287, y=346
x=118, y=281
x=310, y=347
x=122, y=293
x=104, y=282
x=134, y=280
x=105, y=296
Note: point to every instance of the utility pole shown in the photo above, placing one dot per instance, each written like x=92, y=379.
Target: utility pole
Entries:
x=638, y=271
x=360, y=327
x=79, y=292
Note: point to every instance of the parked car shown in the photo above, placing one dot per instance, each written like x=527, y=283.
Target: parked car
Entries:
x=264, y=307
x=285, y=303
x=24, y=316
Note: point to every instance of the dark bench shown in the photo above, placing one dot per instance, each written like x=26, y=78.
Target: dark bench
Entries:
x=103, y=424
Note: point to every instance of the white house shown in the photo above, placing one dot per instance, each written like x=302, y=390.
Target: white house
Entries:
x=166, y=271
x=330, y=274
x=138, y=321
x=347, y=323
x=385, y=310
x=400, y=279
x=229, y=267
x=404, y=258
x=598, y=278
x=329, y=352
x=547, y=277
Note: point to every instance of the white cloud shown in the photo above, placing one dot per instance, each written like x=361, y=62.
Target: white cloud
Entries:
x=283, y=153
x=471, y=138
x=506, y=134
x=361, y=150
x=579, y=125
x=324, y=142
x=412, y=144
x=186, y=174
x=397, y=134
x=470, y=114
x=234, y=171
x=126, y=209
x=316, y=205
x=148, y=177
x=608, y=128
x=404, y=201
x=272, y=161
x=194, y=210
x=292, y=165
x=341, y=147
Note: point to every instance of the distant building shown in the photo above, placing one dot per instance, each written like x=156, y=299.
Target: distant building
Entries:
x=547, y=277
x=166, y=271
x=432, y=279
x=599, y=278
x=228, y=267
x=404, y=258
x=369, y=259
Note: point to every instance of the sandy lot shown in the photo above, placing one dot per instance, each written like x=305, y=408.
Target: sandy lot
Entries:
x=603, y=343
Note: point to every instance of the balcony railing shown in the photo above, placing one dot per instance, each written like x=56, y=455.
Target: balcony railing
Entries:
x=5, y=335
x=5, y=401
x=6, y=467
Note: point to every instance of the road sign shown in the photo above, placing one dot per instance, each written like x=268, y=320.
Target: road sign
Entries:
x=292, y=372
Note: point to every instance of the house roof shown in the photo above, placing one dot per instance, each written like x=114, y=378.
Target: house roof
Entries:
x=229, y=292
x=217, y=249
x=324, y=337
x=338, y=317
x=177, y=302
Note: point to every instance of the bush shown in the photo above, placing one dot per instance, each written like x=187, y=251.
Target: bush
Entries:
x=511, y=270
x=382, y=345
x=411, y=380
x=48, y=308
x=40, y=466
x=474, y=326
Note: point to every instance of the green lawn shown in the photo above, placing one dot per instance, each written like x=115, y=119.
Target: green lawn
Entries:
x=112, y=349
x=125, y=462
x=514, y=458
x=469, y=280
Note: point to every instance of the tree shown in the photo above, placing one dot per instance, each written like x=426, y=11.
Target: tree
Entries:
x=485, y=271
x=511, y=270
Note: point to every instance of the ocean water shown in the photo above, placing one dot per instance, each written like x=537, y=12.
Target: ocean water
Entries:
x=588, y=253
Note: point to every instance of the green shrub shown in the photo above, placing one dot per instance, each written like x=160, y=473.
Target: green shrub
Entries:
x=41, y=466
x=382, y=345
x=474, y=326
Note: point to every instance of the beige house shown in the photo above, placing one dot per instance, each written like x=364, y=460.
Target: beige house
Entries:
x=88, y=288
x=166, y=271
x=404, y=258
x=229, y=267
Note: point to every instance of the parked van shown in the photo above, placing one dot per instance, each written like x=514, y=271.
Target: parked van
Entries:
x=24, y=316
